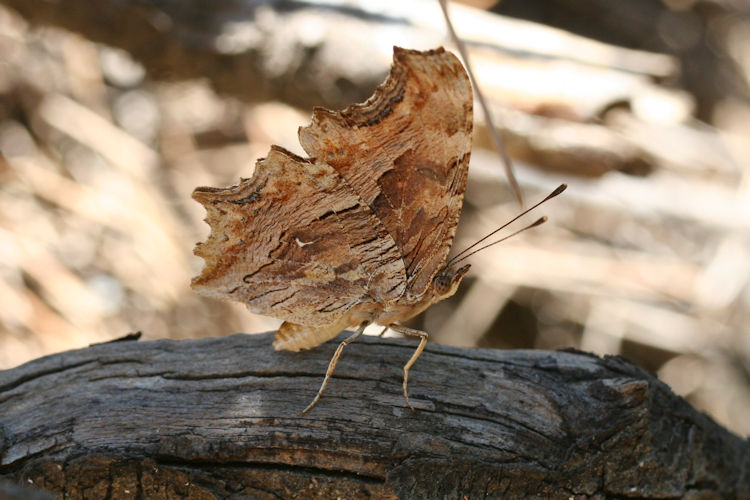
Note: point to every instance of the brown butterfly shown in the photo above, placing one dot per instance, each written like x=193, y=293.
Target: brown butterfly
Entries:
x=360, y=231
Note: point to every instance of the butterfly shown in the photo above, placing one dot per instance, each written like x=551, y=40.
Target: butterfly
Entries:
x=360, y=231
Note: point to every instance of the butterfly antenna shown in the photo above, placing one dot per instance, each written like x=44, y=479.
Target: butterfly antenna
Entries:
x=460, y=256
x=539, y=222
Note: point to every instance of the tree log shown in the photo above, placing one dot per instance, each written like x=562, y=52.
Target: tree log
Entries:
x=317, y=52
x=321, y=53
x=220, y=418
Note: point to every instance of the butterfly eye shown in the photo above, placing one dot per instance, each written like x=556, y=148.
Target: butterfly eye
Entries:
x=442, y=283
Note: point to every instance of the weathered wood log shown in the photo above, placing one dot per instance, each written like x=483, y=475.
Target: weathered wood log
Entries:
x=318, y=52
x=321, y=53
x=220, y=418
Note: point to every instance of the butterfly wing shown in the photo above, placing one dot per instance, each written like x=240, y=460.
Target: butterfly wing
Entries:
x=297, y=243
x=406, y=153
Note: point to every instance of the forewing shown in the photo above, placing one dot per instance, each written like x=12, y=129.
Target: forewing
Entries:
x=297, y=243
x=406, y=153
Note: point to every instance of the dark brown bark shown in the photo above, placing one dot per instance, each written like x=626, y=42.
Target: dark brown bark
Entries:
x=220, y=418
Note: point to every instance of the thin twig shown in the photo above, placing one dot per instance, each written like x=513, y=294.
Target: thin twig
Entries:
x=493, y=130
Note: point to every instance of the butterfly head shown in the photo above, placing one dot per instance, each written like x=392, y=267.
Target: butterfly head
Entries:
x=446, y=281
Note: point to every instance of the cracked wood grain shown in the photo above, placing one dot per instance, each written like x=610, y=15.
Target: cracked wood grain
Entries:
x=219, y=418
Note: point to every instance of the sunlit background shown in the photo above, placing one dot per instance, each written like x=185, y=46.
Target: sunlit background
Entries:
x=646, y=255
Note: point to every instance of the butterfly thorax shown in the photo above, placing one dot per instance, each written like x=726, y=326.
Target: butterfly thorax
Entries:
x=443, y=285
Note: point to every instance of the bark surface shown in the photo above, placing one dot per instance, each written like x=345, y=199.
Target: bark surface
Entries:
x=220, y=418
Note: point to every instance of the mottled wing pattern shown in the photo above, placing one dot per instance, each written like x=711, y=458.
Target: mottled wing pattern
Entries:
x=406, y=153
x=297, y=243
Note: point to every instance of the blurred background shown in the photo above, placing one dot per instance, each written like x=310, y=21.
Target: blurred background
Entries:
x=112, y=112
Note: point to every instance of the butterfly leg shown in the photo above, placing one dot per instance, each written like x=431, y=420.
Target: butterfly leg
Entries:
x=332, y=365
x=385, y=329
x=422, y=342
